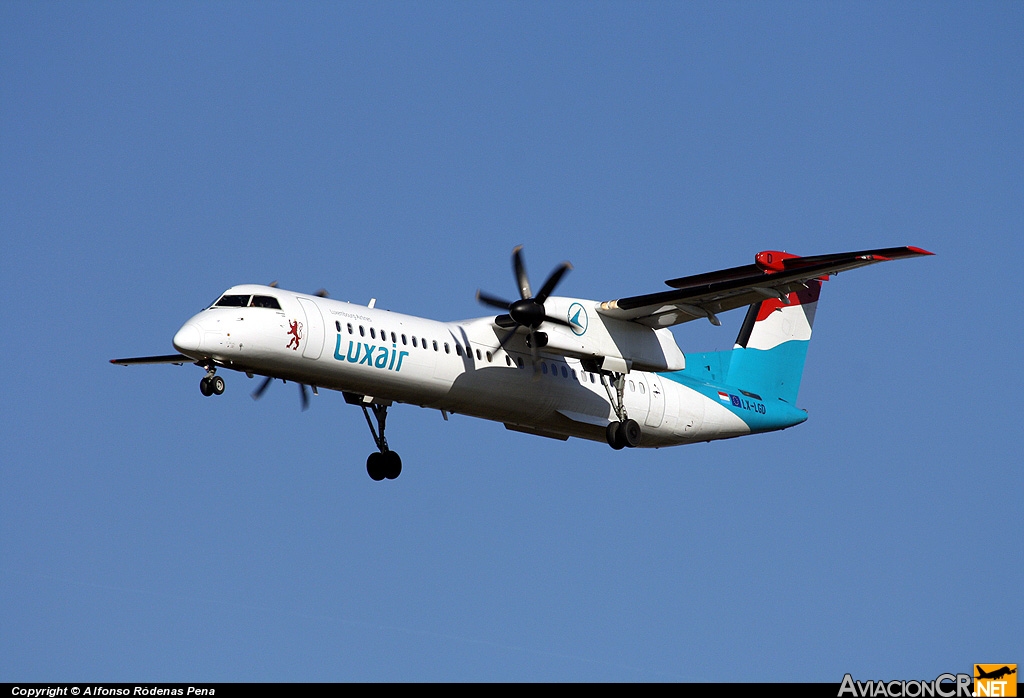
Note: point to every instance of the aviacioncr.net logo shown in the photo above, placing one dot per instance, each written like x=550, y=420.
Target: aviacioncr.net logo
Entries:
x=578, y=320
x=944, y=686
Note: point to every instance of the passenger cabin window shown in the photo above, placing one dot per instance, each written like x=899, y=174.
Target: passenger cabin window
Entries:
x=232, y=302
x=265, y=302
x=337, y=326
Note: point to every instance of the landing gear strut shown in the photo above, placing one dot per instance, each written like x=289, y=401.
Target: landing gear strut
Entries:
x=211, y=384
x=624, y=432
x=385, y=463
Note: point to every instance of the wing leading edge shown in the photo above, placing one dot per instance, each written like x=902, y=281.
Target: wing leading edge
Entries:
x=773, y=275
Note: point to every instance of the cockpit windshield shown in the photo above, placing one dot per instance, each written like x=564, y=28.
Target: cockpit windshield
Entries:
x=232, y=302
x=237, y=301
x=265, y=302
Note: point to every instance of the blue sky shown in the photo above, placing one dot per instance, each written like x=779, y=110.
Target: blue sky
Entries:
x=153, y=154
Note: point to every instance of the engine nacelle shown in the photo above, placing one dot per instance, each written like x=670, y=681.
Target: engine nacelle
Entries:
x=617, y=345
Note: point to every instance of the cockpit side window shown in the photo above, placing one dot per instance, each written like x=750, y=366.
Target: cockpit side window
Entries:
x=232, y=302
x=265, y=302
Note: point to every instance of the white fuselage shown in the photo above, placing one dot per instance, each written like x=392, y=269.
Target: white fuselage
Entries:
x=457, y=367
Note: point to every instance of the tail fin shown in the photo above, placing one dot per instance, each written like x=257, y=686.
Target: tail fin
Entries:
x=772, y=345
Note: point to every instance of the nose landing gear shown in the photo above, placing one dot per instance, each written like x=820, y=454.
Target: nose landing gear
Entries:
x=211, y=384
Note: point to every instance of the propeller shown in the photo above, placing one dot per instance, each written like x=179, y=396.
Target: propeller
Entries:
x=528, y=311
x=303, y=391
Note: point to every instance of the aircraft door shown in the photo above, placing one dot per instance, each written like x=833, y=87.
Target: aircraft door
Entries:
x=314, y=329
x=656, y=413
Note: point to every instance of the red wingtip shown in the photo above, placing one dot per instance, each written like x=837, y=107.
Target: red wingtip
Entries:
x=918, y=250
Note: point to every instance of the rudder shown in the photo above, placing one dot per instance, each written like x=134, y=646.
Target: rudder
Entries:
x=772, y=344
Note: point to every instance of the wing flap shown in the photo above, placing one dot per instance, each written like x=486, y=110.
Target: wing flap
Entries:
x=706, y=295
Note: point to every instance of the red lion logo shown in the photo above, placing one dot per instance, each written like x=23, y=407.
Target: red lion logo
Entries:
x=296, y=333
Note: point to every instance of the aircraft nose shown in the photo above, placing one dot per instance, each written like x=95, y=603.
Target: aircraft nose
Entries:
x=187, y=339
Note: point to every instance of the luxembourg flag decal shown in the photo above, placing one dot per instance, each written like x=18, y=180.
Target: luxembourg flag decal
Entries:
x=724, y=397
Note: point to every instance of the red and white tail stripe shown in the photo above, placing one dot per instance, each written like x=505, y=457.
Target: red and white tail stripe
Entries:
x=778, y=323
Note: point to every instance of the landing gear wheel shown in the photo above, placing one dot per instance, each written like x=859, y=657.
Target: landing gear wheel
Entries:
x=392, y=465
x=217, y=385
x=205, y=388
x=385, y=463
x=631, y=433
x=375, y=466
x=615, y=436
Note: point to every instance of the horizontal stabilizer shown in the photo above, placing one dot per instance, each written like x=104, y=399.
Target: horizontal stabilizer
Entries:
x=178, y=359
x=773, y=273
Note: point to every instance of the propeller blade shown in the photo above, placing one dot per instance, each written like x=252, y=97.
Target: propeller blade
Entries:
x=552, y=281
x=509, y=336
x=557, y=321
x=534, y=361
x=520, y=270
x=492, y=301
x=304, y=392
x=322, y=293
x=505, y=321
x=258, y=393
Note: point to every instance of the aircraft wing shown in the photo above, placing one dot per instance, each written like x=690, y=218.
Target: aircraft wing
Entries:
x=178, y=359
x=773, y=275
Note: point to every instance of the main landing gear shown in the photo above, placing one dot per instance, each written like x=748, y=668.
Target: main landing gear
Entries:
x=624, y=432
x=385, y=463
x=211, y=384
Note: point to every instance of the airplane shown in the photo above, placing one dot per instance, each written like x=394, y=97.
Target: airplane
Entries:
x=547, y=365
x=996, y=674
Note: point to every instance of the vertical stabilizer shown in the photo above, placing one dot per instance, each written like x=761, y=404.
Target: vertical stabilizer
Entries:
x=770, y=350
